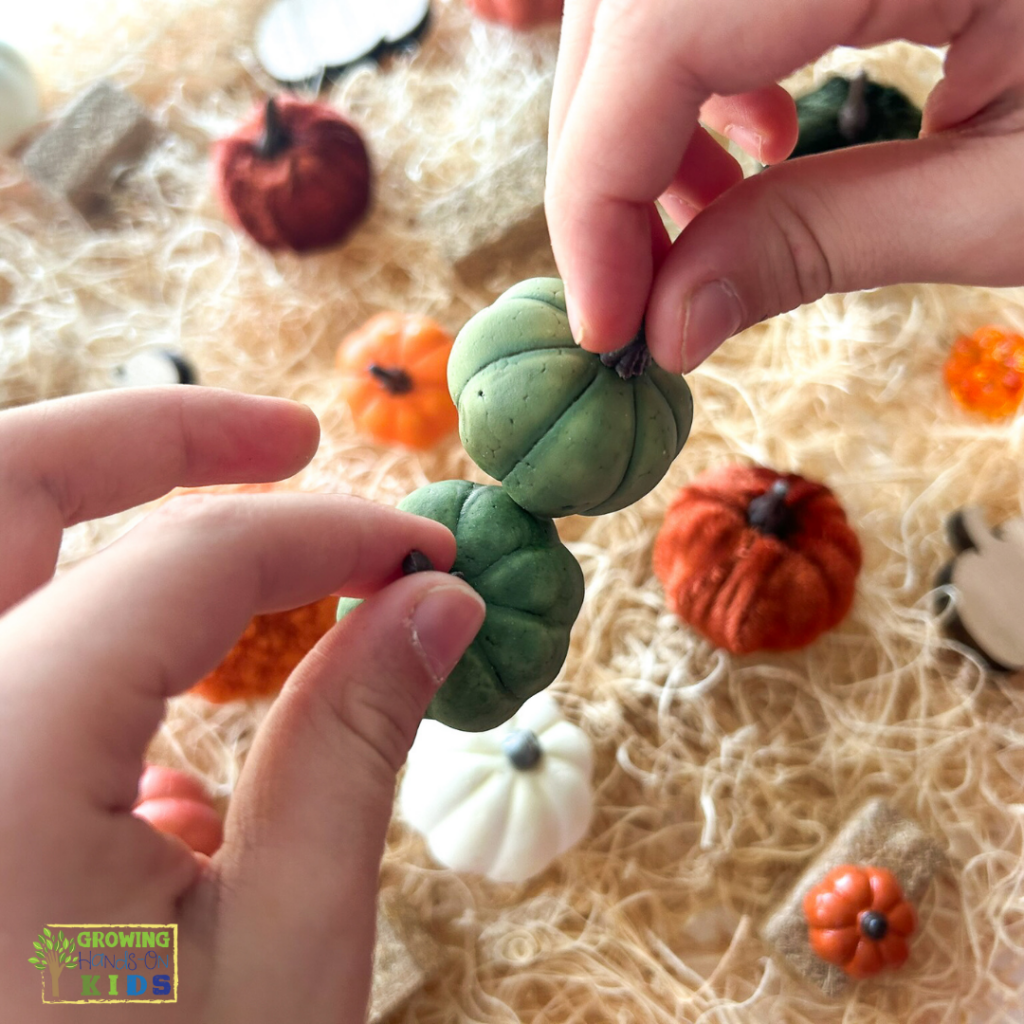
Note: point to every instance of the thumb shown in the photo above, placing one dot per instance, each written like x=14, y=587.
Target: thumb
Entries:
x=945, y=208
x=305, y=832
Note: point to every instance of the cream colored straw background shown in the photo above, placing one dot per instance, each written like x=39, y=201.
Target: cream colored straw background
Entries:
x=717, y=778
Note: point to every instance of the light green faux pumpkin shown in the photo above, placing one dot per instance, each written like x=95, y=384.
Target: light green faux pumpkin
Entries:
x=533, y=588
x=565, y=431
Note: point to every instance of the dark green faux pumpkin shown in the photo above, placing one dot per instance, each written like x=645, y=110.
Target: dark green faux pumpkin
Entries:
x=533, y=588
x=565, y=431
x=851, y=113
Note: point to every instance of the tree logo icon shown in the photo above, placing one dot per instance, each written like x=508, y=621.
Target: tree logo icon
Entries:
x=54, y=953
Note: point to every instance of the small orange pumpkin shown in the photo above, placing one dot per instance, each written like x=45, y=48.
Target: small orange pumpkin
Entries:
x=859, y=920
x=177, y=804
x=985, y=372
x=394, y=378
x=756, y=560
x=518, y=13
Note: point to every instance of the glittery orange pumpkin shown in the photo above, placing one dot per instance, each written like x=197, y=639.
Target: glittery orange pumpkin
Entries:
x=394, y=379
x=757, y=560
x=985, y=372
x=518, y=13
x=859, y=920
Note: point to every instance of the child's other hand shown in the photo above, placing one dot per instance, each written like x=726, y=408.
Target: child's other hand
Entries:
x=633, y=78
x=279, y=924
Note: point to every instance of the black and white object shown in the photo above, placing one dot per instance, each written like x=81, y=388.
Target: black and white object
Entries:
x=302, y=42
x=987, y=581
x=153, y=368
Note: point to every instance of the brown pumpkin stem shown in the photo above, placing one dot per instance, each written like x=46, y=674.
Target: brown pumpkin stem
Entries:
x=275, y=138
x=393, y=380
x=631, y=360
x=855, y=113
x=770, y=514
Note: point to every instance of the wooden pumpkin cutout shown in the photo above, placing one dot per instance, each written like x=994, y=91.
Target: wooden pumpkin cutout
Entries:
x=394, y=379
x=295, y=176
x=987, y=577
x=859, y=920
x=757, y=560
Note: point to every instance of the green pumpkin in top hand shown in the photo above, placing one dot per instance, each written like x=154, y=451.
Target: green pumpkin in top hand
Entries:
x=852, y=113
x=565, y=431
x=533, y=588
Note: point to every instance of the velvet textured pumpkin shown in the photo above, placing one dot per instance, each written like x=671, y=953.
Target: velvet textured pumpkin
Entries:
x=533, y=588
x=518, y=13
x=756, y=560
x=565, y=431
x=295, y=176
x=393, y=377
x=177, y=804
x=859, y=920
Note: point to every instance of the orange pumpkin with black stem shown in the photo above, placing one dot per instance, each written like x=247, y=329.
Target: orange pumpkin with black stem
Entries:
x=859, y=920
x=394, y=379
x=757, y=560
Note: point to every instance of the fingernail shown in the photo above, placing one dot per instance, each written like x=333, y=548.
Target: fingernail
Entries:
x=576, y=324
x=748, y=140
x=710, y=317
x=444, y=624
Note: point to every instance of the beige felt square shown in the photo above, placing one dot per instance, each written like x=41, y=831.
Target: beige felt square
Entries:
x=875, y=835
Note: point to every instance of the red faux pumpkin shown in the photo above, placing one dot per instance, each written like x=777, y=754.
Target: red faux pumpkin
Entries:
x=177, y=804
x=859, y=920
x=518, y=13
x=757, y=560
x=295, y=176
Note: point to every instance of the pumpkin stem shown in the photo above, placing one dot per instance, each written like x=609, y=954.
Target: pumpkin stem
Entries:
x=855, y=113
x=275, y=138
x=769, y=513
x=393, y=380
x=522, y=748
x=416, y=561
x=631, y=360
x=874, y=925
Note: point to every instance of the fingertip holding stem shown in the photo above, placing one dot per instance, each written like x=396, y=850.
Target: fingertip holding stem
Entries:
x=711, y=314
x=444, y=623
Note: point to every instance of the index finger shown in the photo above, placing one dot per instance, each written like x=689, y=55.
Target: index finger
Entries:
x=72, y=459
x=147, y=617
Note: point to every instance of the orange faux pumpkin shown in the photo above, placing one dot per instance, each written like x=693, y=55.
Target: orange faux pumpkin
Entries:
x=757, y=560
x=177, y=804
x=295, y=176
x=518, y=13
x=859, y=920
x=394, y=378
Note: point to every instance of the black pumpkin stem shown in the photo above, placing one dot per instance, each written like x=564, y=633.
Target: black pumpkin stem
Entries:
x=855, y=113
x=392, y=379
x=769, y=513
x=522, y=748
x=275, y=138
x=416, y=561
x=631, y=360
x=874, y=925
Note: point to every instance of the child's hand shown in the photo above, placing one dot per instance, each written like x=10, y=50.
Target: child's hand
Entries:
x=633, y=77
x=279, y=924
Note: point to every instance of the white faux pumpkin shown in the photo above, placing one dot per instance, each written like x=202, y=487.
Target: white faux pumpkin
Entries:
x=19, y=97
x=502, y=803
